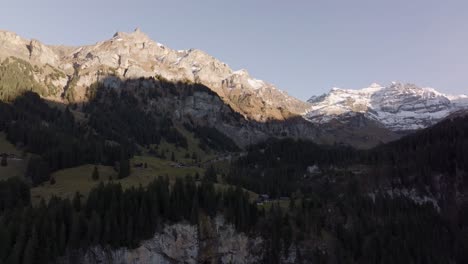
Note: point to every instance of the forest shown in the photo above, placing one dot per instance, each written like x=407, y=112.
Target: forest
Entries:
x=363, y=230
x=330, y=216
x=115, y=130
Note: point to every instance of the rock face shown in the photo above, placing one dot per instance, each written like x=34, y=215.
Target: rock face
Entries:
x=135, y=55
x=398, y=107
x=180, y=243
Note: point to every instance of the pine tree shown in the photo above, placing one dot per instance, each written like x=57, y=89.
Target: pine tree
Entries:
x=95, y=174
x=194, y=211
x=17, y=252
x=4, y=242
x=4, y=161
x=124, y=168
x=94, y=229
x=77, y=202
x=62, y=240
x=31, y=247
x=210, y=174
x=75, y=231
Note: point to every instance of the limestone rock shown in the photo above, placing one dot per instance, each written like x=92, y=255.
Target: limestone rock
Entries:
x=42, y=54
x=177, y=243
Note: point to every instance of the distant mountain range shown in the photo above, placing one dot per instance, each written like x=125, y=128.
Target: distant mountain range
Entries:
x=398, y=107
x=357, y=117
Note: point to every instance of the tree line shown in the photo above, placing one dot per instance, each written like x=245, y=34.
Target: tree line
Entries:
x=109, y=216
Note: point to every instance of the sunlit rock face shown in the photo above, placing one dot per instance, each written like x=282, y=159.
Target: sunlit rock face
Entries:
x=135, y=55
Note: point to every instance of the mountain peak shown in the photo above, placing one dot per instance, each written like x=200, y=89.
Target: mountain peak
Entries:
x=136, y=35
x=375, y=85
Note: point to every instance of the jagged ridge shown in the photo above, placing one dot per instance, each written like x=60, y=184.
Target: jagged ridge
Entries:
x=399, y=107
x=135, y=55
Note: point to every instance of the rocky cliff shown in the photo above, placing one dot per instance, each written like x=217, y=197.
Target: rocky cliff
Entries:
x=215, y=242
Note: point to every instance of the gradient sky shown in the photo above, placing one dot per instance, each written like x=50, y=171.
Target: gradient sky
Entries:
x=303, y=47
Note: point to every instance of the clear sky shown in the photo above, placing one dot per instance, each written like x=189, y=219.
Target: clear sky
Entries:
x=303, y=47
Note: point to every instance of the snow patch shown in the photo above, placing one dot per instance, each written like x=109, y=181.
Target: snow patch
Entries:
x=256, y=84
x=241, y=72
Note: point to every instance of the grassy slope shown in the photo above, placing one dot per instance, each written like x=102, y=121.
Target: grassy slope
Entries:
x=193, y=147
x=69, y=181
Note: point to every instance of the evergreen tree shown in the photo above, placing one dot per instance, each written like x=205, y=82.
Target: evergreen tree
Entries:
x=124, y=164
x=37, y=170
x=29, y=254
x=75, y=231
x=4, y=161
x=62, y=239
x=77, y=201
x=124, y=170
x=210, y=174
x=4, y=242
x=95, y=175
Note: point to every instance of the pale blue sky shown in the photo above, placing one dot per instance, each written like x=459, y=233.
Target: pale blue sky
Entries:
x=303, y=47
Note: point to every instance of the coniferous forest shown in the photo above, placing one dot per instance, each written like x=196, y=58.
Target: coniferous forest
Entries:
x=325, y=204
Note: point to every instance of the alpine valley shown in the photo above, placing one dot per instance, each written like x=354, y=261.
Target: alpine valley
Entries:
x=127, y=151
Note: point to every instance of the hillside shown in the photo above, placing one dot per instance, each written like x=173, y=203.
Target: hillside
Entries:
x=317, y=203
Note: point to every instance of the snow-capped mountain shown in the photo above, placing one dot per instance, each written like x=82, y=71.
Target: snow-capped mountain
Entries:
x=399, y=107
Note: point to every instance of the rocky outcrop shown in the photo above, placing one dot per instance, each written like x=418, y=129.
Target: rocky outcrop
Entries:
x=41, y=53
x=180, y=243
x=13, y=45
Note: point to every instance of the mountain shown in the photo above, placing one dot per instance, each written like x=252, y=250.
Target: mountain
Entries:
x=129, y=61
x=135, y=55
x=192, y=87
x=129, y=152
x=398, y=107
